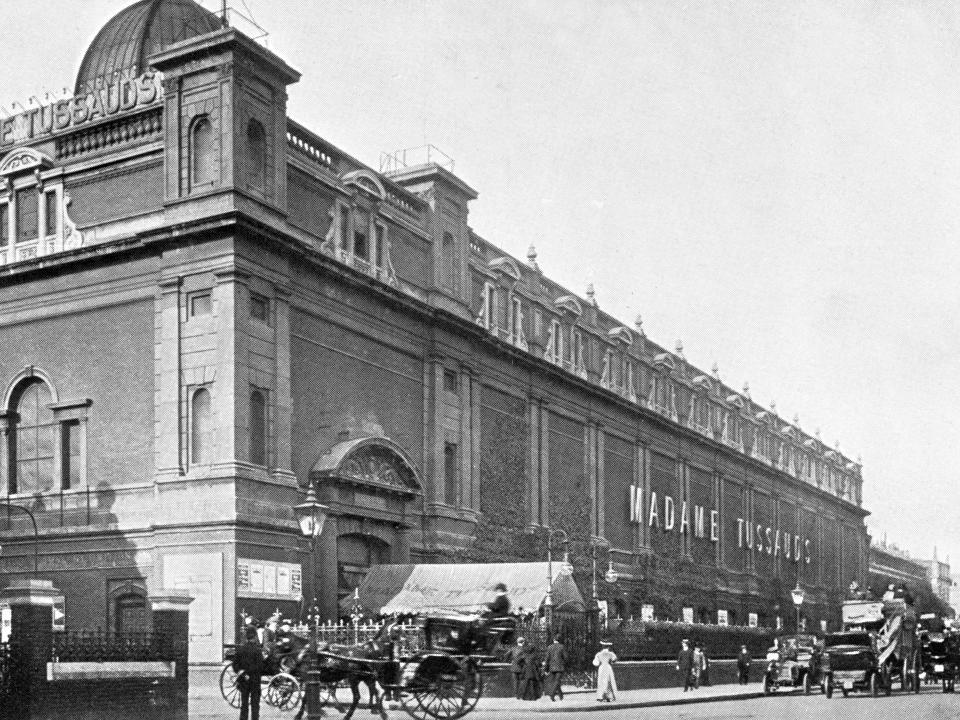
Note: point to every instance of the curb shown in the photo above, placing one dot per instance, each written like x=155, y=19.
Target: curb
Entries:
x=638, y=704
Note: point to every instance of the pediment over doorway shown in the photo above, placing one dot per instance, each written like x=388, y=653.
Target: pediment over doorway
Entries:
x=374, y=462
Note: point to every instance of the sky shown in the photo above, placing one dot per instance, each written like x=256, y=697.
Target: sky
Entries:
x=773, y=183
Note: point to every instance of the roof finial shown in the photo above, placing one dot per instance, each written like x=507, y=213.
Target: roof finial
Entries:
x=638, y=324
x=796, y=419
x=532, y=257
x=816, y=434
x=679, y=348
x=715, y=371
x=746, y=390
x=591, y=294
x=860, y=460
x=773, y=406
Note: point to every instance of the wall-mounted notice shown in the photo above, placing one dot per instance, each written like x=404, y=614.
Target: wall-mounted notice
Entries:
x=266, y=579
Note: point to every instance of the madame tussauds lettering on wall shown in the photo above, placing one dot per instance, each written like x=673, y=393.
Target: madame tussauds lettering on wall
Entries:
x=666, y=515
x=111, y=98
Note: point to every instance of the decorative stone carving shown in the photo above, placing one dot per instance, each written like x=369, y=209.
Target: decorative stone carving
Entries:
x=377, y=465
x=72, y=237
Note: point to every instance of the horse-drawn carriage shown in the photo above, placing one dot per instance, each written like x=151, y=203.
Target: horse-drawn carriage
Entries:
x=443, y=680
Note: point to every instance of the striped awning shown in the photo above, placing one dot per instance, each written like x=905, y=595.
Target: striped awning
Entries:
x=463, y=587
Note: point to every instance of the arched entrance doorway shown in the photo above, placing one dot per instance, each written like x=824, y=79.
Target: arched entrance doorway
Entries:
x=373, y=490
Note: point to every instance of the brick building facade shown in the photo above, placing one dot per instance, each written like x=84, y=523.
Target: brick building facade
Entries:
x=204, y=306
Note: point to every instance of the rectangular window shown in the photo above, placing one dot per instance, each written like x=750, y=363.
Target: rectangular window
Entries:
x=344, y=227
x=556, y=340
x=200, y=304
x=70, y=454
x=50, y=206
x=450, y=381
x=515, y=318
x=360, y=246
x=451, y=457
x=446, y=261
x=4, y=224
x=489, y=306
x=259, y=308
x=27, y=214
x=380, y=251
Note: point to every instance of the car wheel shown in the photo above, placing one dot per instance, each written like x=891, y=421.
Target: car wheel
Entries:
x=827, y=687
x=875, y=684
x=806, y=683
x=845, y=692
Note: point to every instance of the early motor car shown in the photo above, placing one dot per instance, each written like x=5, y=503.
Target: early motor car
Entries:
x=793, y=662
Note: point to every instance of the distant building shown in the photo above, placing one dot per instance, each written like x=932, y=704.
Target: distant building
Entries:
x=938, y=571
x=890, y=564
x=205, y=307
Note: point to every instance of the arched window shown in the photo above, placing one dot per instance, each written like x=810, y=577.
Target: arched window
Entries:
x=200, y=427
x=31, y=439
x=258, y=427
x=257, y=149
x=202, y=155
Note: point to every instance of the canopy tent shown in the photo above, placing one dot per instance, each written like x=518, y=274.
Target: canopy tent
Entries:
x=462, y=587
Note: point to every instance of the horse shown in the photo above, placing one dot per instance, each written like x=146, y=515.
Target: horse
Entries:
x=369, y=662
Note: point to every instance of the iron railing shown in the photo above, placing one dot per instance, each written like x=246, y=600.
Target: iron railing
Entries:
x=99, y=646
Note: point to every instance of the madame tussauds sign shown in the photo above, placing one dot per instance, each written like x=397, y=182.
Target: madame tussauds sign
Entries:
x=665, y=514
x=120, y=95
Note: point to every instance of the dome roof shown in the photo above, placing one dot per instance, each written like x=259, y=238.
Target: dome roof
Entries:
x=140, y=30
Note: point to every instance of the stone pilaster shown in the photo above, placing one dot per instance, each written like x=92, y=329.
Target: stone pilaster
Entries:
x=283, y=398
x=168, y=461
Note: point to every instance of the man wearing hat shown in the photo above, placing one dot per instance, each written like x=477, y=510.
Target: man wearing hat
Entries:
x=248, y=665
x=555, y=664
x=685, y=664
x=500, y=605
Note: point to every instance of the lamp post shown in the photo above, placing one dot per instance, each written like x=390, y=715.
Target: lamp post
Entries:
x=312, y=515
x=797, y=595
x=565, y=569
x=36, y=534
x=598, y=541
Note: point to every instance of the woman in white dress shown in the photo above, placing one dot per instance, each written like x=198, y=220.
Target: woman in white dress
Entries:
x=606, y=681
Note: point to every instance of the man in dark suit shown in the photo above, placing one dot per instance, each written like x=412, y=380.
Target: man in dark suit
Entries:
x=743, y=665
x=555, y=664
x=248, y=665
x=685, y=664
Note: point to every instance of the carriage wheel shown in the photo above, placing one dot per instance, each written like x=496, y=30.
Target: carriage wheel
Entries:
x=283, y=692
x=450, y=695
x=228, y=686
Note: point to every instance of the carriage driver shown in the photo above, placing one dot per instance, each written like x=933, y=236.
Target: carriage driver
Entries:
x=500, y=605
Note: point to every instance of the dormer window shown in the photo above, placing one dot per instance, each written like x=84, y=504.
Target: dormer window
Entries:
x=488, y=311
x=579, y=354
x=28, y=213
x=31, y=211
x=517, y=336
x=554, y=351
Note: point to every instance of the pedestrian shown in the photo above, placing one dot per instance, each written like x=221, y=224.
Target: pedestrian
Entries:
x=531, y=678
x=606, y=680
x=248, y=665
x=516, y=664
x=699, y=662
x=555, y=665
x=705, y=673
x=685, y=664
x=743, y=665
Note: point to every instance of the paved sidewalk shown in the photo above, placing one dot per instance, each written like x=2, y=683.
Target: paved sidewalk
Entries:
x=580, y=700
x=206, y=702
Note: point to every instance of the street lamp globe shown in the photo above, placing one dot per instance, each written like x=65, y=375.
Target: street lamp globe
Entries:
x=611, y=576
x=797, y=595
x=311, y=515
